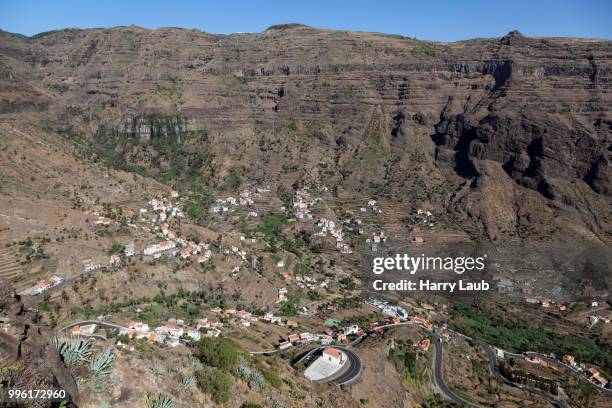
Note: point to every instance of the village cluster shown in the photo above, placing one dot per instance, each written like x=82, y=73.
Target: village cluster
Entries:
x=157, y=218
x=302, y=208
x=173, y=331
x=547, y=303
x=396, y=315
x=372, y=206
x=161, y=218
x=174, y=245
x=593, y=373
x=329, y=227
x=169, y=334
x=44, y=285
x=245, y=199
x=425, y=217
x=569, y=361
x=303, y=203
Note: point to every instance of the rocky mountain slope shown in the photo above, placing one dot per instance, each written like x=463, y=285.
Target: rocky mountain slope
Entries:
x=30, y=360
x=508, y=137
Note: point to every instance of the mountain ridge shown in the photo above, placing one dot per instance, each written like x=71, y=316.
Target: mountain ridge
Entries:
x=354, y=110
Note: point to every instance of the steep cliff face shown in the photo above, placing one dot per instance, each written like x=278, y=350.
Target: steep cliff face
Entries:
x=30, y=360
x=510, y=136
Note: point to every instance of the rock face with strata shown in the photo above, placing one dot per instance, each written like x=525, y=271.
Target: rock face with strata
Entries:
x=514, y=126
x=30, y=359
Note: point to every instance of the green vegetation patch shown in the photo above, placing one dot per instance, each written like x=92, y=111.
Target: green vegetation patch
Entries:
x=216, y=383
x=162, y=142
x=217, y=352
x=498, y=330
x=408, y=363
x=271, y=225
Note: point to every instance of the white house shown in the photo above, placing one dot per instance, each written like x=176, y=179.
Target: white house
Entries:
x=173, y=329
x=193, y=334
x=202, y=323
x=325, y=339
x=172, y=341
x=129, y=249
x=213, y=333
x=139, y=326
x=88, y=329
x=162, y=246
x=333, y=356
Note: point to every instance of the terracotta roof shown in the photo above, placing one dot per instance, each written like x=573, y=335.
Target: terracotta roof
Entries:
x=332, y=352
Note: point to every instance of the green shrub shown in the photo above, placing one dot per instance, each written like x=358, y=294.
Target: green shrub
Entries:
x=273, y=378
x=217, y=352
x=271, y=225
x=233, y=177
x=216, y=383
x=116, y=248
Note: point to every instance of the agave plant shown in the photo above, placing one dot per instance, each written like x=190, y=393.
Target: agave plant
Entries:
x=100, y=366
x=74, y=350
x=161, y=401
x=257, y=378
x=187, y=382
x=157, y=369
x=277, y=402
x=243, y=371
x=196, y=363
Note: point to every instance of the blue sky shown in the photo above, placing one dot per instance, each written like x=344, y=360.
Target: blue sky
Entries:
x=434, y=20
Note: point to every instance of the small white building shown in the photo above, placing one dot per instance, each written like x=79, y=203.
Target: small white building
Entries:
x=213, y=333
x=172, y=341
x=129, y=249
x=193, y=334
x=88, y=329
x=202, y=323
x=139, y=326
x=162, y=246
x=330, y=362
x=332, y=355
x=352, y=329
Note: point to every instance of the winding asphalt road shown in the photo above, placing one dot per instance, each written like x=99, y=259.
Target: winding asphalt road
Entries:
x=439, y=379
x=499, y=377
x=353, y=372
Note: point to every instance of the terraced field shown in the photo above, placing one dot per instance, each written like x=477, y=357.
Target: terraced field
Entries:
x=10, y=267
x=20, y=276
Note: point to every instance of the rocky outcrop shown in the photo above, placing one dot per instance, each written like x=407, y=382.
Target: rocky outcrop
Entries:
x=534, y=152
x=26, y=345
